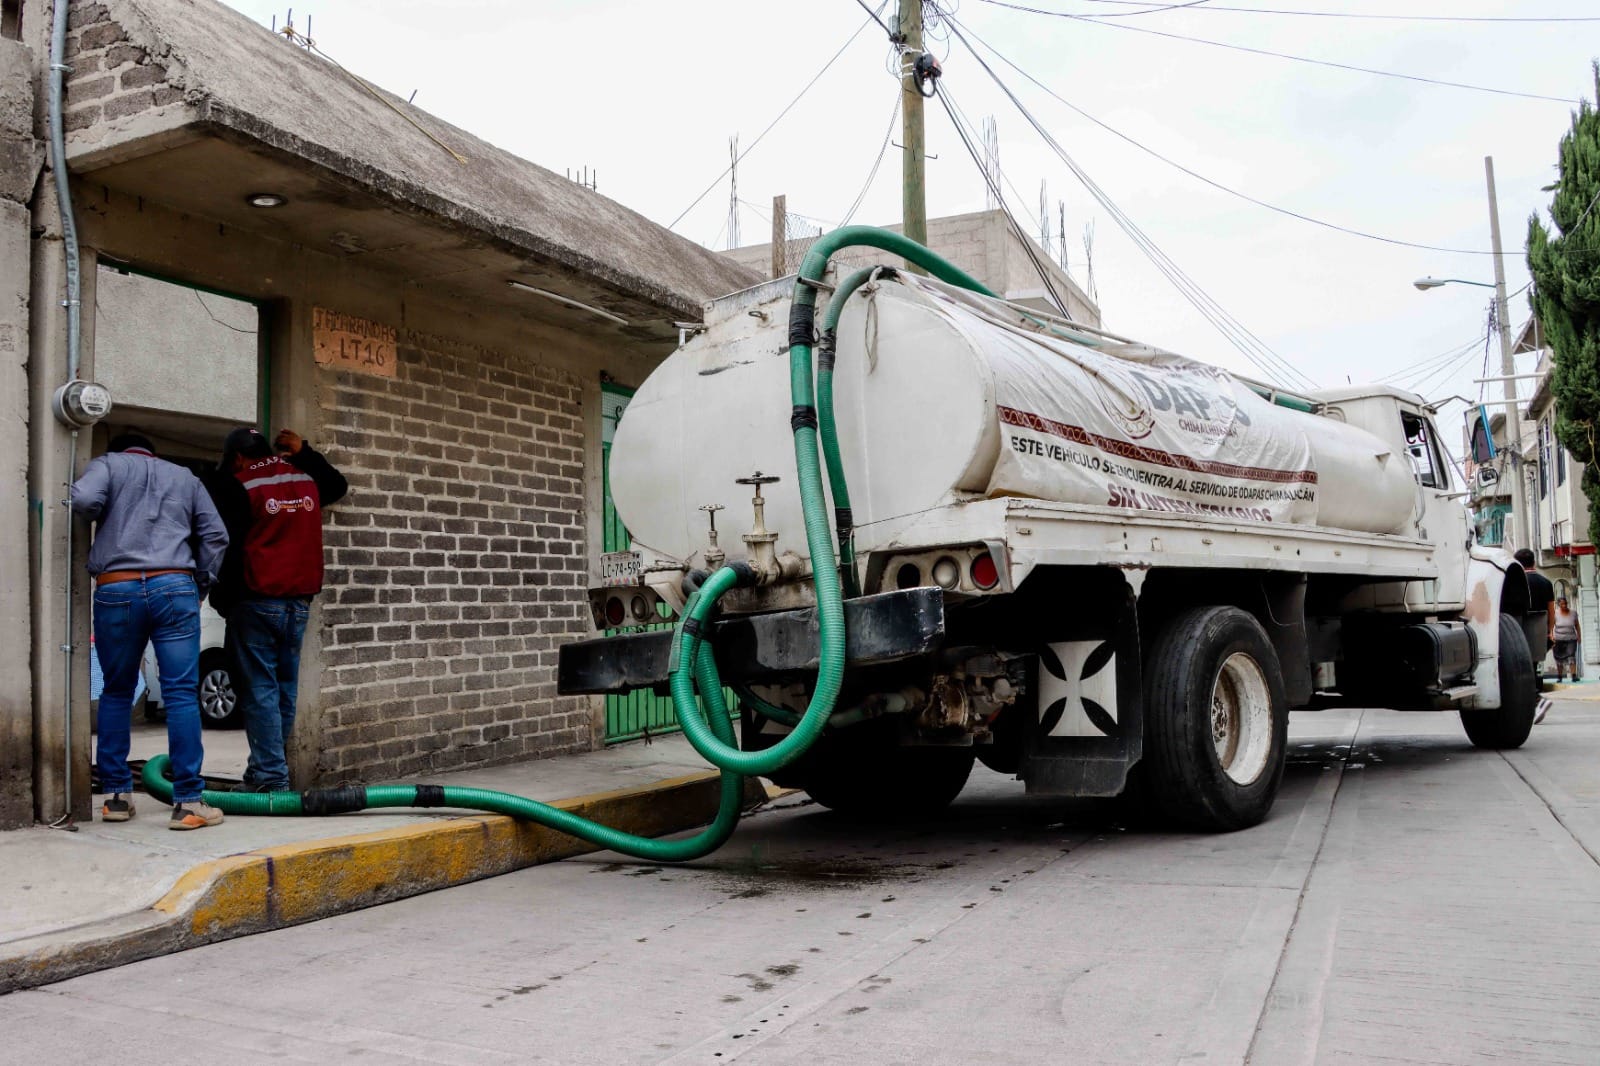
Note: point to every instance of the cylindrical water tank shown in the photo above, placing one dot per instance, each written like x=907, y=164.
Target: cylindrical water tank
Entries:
x=943, y=397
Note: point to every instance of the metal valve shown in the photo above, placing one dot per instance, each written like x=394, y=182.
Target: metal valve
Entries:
x=715, y=556
x=760, y=545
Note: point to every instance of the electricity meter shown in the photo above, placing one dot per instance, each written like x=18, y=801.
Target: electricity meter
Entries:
x=82, y=403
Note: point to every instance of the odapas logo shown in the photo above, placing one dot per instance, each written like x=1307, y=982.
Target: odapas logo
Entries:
x=304, y=503
x=1119, y=397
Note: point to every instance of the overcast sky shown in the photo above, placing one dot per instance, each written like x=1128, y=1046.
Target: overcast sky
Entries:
x=646, y=94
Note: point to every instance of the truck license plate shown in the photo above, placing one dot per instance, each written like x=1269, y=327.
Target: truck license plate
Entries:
x=619, y=568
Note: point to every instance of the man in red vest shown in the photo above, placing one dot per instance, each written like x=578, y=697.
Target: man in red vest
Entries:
x=272, y=505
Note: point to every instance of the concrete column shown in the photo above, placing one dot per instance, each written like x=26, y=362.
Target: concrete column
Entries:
x=19, y=170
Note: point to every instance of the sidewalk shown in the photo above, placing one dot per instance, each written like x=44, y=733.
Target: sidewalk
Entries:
x=112, y=894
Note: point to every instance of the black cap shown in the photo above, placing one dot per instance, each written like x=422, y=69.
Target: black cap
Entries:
x=246, y=441
x=123, y=441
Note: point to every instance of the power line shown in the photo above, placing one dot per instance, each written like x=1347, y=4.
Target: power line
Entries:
x=874, y=16
x=1149, y=9
x=988, y=178
x=1211, y=182
x=872, y=175
x=1253, y=348
x=1097, y=21
x=807, y=88
x=1431, y=361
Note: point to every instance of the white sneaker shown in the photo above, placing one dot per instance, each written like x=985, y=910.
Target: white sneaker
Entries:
x=1540, y=711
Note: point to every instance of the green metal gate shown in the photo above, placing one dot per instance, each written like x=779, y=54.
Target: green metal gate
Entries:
x=640, y=713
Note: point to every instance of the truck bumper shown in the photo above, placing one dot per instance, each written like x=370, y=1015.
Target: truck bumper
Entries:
x=885, y=628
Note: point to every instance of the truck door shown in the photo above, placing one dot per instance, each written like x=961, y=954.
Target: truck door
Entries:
x=1443, y=518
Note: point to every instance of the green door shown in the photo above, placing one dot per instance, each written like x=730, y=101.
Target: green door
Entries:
x=640, y=713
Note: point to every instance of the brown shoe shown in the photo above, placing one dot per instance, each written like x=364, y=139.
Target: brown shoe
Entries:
x=118, y=807
x=195, y=814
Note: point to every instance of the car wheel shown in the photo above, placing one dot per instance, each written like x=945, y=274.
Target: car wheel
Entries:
x=219, y=703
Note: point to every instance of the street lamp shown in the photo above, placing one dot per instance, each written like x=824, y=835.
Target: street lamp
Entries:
x=1433, y=283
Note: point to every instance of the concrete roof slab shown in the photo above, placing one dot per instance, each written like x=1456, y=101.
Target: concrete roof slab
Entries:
x=378, y=167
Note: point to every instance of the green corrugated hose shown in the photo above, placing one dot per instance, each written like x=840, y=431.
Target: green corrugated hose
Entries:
x=344, y=800
x=844, y=519
x=708, y=729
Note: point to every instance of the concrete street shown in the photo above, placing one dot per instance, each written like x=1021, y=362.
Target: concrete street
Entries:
x=1411, y=900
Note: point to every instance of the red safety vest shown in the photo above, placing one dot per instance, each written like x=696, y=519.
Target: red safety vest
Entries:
x=283, y=546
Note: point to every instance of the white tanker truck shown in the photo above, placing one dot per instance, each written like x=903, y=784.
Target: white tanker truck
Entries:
x=1081, y=560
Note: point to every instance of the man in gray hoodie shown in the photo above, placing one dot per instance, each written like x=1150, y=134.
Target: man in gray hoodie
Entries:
x=157, y=546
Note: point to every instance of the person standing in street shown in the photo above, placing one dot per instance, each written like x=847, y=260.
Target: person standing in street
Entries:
x=1541, y=600
x=1564, y=631
x=158, y=545
x=272, y=507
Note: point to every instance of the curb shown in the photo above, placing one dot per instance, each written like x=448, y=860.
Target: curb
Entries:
x=284, y=885
x=1567, y=691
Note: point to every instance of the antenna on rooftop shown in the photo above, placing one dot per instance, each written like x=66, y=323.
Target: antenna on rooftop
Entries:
x=991, y=162
x=589, y=180
x=1088, y=260
x=1061, y=231
x=1044, y=218
x=733, y=192
x=292, y=35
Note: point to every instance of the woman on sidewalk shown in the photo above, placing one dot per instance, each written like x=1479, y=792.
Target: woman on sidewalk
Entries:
x=1564, y=632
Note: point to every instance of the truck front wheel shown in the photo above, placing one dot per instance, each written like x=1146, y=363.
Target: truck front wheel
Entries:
x=1216, y=721
x=1507, y=725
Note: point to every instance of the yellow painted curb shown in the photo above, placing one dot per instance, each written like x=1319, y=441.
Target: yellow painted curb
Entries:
x=1570, y=691
x=291, y=883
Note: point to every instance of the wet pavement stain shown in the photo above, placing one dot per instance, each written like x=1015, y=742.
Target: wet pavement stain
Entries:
x=757, y=982
x=806, y=874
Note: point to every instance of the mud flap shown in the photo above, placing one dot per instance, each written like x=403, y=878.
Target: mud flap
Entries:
x=1087, y=727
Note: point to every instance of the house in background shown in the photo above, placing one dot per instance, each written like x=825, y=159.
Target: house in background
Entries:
x=267, y=240
x=1558, y=508
x=1552, y=496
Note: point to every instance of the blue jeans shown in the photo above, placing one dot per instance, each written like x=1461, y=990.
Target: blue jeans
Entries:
x=264, y=639
x=164, y=611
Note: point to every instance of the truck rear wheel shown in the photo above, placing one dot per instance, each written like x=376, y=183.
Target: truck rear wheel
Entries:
x=1509, y=724
x=886, y=782
x=1216, y=721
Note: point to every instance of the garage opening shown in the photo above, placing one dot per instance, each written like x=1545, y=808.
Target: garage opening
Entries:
x=184, y=365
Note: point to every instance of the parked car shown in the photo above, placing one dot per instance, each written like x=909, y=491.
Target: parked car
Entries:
x=219, y=705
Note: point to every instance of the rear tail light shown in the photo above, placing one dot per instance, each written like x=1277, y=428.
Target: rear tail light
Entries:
x=640, y=608
x=985, y=574
x=616, y=613
x=946, y=573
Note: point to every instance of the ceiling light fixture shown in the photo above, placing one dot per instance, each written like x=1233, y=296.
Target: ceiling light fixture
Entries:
x=266, y=199
x=558, y=298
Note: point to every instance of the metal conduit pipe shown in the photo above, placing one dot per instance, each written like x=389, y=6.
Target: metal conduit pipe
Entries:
x=69, y=240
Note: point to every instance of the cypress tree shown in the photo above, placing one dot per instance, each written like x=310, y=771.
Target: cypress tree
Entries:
x=1566, y=296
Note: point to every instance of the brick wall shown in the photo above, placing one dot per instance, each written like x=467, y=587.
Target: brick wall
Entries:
x=111, y=78
x=457, y=565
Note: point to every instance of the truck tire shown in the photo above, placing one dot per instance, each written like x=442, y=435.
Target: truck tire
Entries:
x=1509, y=724
x=1216, y=721
x=887, y=783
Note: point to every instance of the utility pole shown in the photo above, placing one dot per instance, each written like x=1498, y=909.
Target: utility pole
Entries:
x=1508, y=369
x=780, y=236
x=914, y=209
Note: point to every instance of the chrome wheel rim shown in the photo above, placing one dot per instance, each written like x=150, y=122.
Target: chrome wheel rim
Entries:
x=1241, y=718
x=216, y=695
